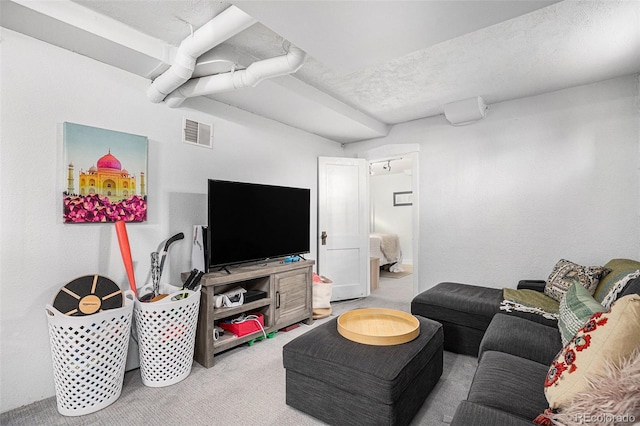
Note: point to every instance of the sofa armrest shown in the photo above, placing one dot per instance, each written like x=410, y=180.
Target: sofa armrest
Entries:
x=537, y=285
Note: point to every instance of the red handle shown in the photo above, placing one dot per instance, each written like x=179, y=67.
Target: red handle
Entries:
x=125, y=250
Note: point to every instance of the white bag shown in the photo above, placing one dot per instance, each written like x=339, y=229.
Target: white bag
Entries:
x=322, y=293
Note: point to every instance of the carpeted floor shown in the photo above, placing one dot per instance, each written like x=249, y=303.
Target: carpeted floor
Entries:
x=247, y=385
x=407, y=270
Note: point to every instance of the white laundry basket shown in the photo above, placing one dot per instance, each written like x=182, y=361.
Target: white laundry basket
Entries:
x=89, y=355
x=166, y=332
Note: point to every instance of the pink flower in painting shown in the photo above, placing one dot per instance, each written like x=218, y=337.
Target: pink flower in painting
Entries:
x=96, y=208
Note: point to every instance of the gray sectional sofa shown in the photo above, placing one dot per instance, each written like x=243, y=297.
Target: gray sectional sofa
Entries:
x=514, y=350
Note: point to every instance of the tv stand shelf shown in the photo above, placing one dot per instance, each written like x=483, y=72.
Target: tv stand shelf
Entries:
x=288, y=287
x=219, y=313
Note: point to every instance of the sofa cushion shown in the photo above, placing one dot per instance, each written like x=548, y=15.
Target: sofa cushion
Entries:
x=509, y=383
x=619, y=268
x=565, y=273
x=576, y=307
x=607, y=338
x=520, y=337
x=472, y=414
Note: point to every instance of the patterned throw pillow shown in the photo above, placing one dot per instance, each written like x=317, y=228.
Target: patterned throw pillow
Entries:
x=566, y=273
x=576, y=307
x=612, y=398
x=605, y=340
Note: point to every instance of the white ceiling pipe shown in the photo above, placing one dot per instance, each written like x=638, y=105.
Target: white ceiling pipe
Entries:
x=250, y=77
x=224, y=26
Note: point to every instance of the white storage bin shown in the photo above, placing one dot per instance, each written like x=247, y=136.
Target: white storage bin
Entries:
x=89, y=355
x=166, y=332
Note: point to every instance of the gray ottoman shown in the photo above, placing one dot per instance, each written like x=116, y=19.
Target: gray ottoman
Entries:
x=347, y=383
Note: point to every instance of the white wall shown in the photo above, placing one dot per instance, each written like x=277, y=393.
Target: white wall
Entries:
x=390, y=219
x=44, y=86
x=540, y=179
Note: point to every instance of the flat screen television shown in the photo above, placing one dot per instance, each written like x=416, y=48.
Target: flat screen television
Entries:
x=252, y=222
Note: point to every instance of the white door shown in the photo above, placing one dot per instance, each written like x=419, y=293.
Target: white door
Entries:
x=343, y=225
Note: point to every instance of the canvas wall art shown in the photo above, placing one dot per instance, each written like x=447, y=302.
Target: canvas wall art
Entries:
x=105, y=175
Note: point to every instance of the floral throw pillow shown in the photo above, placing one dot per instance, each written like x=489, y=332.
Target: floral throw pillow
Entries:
x=566, y=273
x=611, y=399
x=606, y=339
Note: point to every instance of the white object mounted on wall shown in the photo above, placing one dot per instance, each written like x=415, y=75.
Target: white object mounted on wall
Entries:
x=466, y=111
x=196, y=133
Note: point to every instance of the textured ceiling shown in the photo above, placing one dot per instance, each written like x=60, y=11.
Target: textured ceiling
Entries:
x=170, y=21
x=372, y=64
x=562, y=45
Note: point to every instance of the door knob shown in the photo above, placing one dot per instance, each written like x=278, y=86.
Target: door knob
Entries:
x=323, y=237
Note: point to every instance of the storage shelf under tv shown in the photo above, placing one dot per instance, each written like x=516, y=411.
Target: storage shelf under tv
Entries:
x=288, y=301
x=219, y=313
x=228, y=341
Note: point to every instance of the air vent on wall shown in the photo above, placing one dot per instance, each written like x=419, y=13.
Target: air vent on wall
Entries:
x=197, y=133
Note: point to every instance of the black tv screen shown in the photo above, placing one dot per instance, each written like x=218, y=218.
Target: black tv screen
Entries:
x=251, y=222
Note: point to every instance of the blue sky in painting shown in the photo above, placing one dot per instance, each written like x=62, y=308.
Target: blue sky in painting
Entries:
x=84, y=145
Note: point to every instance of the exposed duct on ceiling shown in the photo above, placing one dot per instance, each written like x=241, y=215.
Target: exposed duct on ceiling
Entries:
x=250, y=77
x=175, y=85
x=223, y=58
x=224, y=26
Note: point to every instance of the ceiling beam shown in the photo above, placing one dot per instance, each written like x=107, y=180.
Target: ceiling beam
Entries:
x=81, y=30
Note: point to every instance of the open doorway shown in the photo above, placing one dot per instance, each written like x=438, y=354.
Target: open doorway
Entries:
x=394, y=222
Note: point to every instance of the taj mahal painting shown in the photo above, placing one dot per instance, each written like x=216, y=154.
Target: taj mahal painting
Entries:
x=105, y=174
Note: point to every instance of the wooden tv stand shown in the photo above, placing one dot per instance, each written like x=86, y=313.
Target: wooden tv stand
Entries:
x=288, y=287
